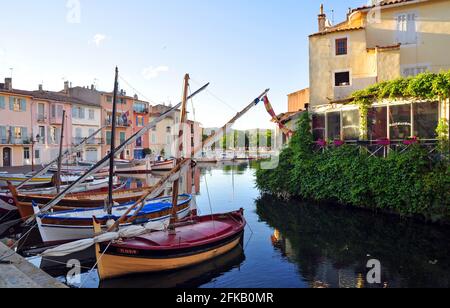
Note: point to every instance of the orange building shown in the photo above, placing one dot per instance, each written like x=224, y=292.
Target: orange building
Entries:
x=298, y=101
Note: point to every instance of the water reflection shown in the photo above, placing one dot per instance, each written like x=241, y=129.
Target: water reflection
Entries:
x=332, y=245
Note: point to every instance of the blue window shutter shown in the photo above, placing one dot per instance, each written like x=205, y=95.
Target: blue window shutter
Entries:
x=24, y=133
x=2, y=102
x=23, y=105
x=11, y=103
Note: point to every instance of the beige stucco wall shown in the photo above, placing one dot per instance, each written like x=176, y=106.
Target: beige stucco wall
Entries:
x=369, y=64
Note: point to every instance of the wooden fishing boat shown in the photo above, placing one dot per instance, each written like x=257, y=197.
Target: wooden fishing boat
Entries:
x=133, y=167
x=77, y=201
x=164, y=165
x=196, y=241
x=94, y=186
x=78, y=224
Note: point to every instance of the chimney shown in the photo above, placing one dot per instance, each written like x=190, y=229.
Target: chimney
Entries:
x=66, y=86
x=41, y=88
x=8, y=84
x=92, y=87
x=322, y=19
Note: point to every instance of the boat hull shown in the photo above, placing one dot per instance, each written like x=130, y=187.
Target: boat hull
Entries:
x=112, y=266
x=164, y=166
x=55, y=234
x=195, y=241
x=80, y=201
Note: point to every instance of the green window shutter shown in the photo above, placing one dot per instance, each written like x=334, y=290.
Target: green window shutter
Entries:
x=2, y=102
x=11, y=103
x=2, y=134
x=23, y=105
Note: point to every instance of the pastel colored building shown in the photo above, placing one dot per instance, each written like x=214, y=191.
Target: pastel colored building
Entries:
x=378, y=43
x=15, y=125
x=140, y=119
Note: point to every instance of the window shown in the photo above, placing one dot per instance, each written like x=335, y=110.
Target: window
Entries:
x=54, y=135
x=426, y=120
x=377, y=123
x=350, y=124
x=406, y=28
x=139, y=121
x=41, y=138
x=168, y=130
x=2, y=102
x=17, y=104
x=41, y=112
x=109, y=99
x=78, y=132
x=122, y=137
x=341, y=46
x=342, y=79
x=81, y=113
x=37, y=154
x=74, y=112
x=400, y=122
x=154, y=139
x=91, y=114
x=3, y=135
x=139, y=142
x=318, y=121
x=334, y=126
x=108, y=138
x=26, y=153
x=414, y=71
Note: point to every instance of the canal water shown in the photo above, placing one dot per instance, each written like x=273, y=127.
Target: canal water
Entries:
x=300, y=245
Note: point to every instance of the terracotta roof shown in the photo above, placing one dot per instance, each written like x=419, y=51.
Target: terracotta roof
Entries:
x=385, y=48
x=333, y=30
x=382, y=3
x=48, y=95
x=288, y=116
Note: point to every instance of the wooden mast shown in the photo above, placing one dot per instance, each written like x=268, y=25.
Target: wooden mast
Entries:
x=113, y=145
x=179, y=154
x=60, y=157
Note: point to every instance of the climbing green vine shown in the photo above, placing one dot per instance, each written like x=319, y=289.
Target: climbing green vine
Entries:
x=425, y=86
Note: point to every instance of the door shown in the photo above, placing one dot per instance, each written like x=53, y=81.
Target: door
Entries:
x=7, y=157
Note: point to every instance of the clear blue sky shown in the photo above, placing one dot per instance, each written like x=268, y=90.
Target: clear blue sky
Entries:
x=240, y=46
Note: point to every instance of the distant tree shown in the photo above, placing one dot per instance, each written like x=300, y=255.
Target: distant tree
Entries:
x=269, y=134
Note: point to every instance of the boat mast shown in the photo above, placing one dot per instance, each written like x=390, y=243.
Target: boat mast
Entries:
x=113, y=145
x=179, y=154
x=60, y=157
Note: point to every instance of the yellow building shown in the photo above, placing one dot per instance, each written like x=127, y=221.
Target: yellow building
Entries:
x=374, y=44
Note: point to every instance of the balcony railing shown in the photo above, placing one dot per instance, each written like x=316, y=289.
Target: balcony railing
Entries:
x=15, y=141
x=56, y=120
x=141, y=110
x=119, y=123
x=92, y=141
x=41, y=118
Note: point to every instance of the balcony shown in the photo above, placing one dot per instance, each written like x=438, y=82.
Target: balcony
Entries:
x=41, y=118
x=92, y=141
x=15, y=141
x=141, y=110
x=56, y=120
x=119, y=123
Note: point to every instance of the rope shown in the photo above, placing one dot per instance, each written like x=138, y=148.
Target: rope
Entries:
x=210, y=203
x=217, y=98
x=95, y=265
x=137, y=91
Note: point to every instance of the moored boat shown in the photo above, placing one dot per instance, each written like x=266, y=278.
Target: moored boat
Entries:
x=78, y=224
x=164, y=165
x=133, y=167
x=77, y=201
x=196, y=241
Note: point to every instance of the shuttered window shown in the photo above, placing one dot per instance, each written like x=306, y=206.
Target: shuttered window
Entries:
x=2, y=102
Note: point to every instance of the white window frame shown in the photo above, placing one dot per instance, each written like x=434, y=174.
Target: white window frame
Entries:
x=397, y=32
x=343, y=71
x=334, y=46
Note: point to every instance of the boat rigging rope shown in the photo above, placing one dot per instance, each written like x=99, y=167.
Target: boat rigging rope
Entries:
x=210, y=203
x=95, y=265
x=217, y=97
